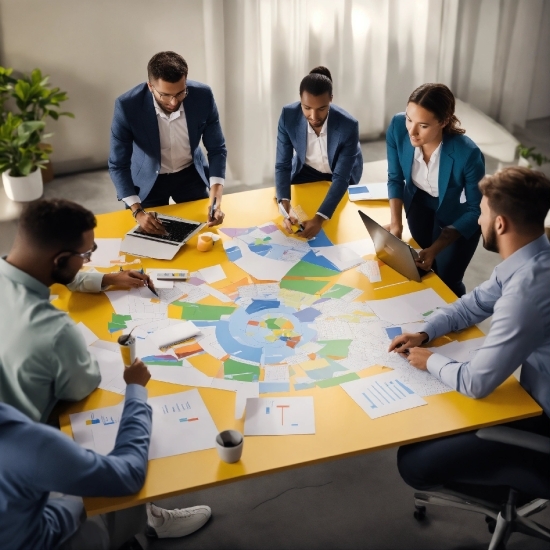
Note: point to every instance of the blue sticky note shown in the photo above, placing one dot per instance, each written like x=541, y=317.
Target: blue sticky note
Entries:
x=234, y=253
x=393, y=332
x=357, y=189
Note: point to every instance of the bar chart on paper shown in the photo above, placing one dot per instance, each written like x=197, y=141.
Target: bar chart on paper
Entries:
x=279, y=416
x=181, y=424
x=382, y=394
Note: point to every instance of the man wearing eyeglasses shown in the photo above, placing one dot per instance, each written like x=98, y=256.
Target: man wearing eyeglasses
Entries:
x=155, y=143
x=43, y=356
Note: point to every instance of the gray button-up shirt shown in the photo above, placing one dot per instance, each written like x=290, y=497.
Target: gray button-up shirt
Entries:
x=518, y=297
x=43, y=356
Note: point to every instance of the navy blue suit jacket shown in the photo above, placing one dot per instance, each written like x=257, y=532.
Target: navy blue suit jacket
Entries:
x=134, y=159
x=344, y=153
x=461, y=167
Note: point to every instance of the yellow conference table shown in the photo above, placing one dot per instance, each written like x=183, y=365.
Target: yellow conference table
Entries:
x=342, y=428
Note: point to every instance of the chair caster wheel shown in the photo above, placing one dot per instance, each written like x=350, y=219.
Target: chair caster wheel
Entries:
x=419, y=513
x=491, y=524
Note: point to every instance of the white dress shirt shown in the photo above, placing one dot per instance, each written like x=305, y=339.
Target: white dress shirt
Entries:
x=175, y=149
x=316, y=150
x=426, y=176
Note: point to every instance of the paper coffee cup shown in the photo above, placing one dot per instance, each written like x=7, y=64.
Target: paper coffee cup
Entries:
x=229, y=445
x=127, y=347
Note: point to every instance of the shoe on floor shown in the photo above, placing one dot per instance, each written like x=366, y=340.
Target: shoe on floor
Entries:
x=175, y=523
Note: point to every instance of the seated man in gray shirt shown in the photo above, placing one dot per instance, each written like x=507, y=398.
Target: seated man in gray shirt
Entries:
x=43, y=356
x=37, y=459
x=514, y=204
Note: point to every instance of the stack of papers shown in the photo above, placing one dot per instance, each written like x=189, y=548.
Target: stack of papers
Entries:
x=368, y=192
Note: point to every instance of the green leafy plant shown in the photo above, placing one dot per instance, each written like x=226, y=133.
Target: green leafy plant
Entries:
x=36, y=100
x=20, y=149
x=531, y=153
x=22, y=128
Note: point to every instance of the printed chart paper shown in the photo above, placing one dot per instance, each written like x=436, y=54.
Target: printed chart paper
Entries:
x=279, y=416
x=181, y=424
x=382, y=394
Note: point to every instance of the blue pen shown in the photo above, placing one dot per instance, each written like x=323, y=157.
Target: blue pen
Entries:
x=148, y=285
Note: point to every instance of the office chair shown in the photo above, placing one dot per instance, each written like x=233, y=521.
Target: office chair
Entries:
x=502, y=520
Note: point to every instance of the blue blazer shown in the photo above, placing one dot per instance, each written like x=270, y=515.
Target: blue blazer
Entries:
x=134, y=158
x=461, y=167
x=344, y=153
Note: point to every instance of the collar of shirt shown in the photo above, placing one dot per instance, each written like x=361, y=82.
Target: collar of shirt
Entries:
x=520, y=257
x=419, y=155
x=162, y=114
x=323, y=131
x=20, y=277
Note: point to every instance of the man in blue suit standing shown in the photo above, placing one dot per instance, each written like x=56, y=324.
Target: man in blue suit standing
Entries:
x=155, y=135
x=316, y=141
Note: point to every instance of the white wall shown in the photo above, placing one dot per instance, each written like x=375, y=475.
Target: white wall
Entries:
x=539, y=105
x=96, y=50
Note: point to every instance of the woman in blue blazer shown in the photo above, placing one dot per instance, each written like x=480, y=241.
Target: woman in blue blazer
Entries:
x=317, y=141
x=434, y=171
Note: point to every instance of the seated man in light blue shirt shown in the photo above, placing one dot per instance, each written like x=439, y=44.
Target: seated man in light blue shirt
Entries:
x=37, y=460
x=514, y=204
x=43, y=356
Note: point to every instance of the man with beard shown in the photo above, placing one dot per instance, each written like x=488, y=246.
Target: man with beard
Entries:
x=43, y=356
x=514, y=204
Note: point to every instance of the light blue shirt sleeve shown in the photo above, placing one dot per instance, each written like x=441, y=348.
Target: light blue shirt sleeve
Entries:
x=86, y=282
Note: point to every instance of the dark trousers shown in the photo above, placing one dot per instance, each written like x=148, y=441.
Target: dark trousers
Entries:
x=451, y=263
x=464, y=462
x=308, y=174
x=183, y=186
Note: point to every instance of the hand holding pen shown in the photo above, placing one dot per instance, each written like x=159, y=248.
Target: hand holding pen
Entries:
x=130, y=278
x=291, y=222
x=215, y=215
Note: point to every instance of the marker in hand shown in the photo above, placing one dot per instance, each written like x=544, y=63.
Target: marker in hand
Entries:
x=149, y=285
x=286, y=216
x=213, y=210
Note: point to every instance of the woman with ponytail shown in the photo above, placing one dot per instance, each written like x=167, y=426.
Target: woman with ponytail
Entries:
x=316, y=141
x=434, y=171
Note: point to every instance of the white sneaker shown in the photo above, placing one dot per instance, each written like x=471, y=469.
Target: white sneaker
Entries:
x=175, y=523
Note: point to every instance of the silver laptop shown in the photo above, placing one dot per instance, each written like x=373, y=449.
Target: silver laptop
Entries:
x=393, y=251
x=163, y=247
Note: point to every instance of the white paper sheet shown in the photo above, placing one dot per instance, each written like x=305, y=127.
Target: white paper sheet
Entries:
x=279, y=416
x=382, y=394
x=341, y=256
x=243, y=391
x=368, y=192
x=362, y=247
x=371, y=270
x=216, y=293
x=213, y=274
x=460, y=351
x=111, y=368
x=107, y=253
x=416, y=306
x=181, y=424
x=186, y=375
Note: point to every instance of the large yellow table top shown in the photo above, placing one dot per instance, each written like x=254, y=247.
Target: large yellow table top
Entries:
x=342, y=428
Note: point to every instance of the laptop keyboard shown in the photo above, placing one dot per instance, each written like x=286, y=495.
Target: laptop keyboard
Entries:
x=177, y=231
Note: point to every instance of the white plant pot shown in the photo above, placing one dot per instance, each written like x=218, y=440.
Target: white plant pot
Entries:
x=23, y=188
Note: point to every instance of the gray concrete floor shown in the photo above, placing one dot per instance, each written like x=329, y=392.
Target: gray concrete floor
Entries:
x=358, y=502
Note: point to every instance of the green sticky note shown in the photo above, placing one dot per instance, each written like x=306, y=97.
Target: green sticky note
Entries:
x=304, y=285
x=334, y=348
x=120, y=319
x=337, y=291
x=235, y=370
x=329, y=382
x=305, y=269
x=202, y=312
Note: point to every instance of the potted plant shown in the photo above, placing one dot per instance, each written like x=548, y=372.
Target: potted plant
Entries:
x=528, y=153
x=23, y=155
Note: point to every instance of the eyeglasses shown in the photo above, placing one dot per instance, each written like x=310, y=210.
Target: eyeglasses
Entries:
x=166, y=98
x=86, y=256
